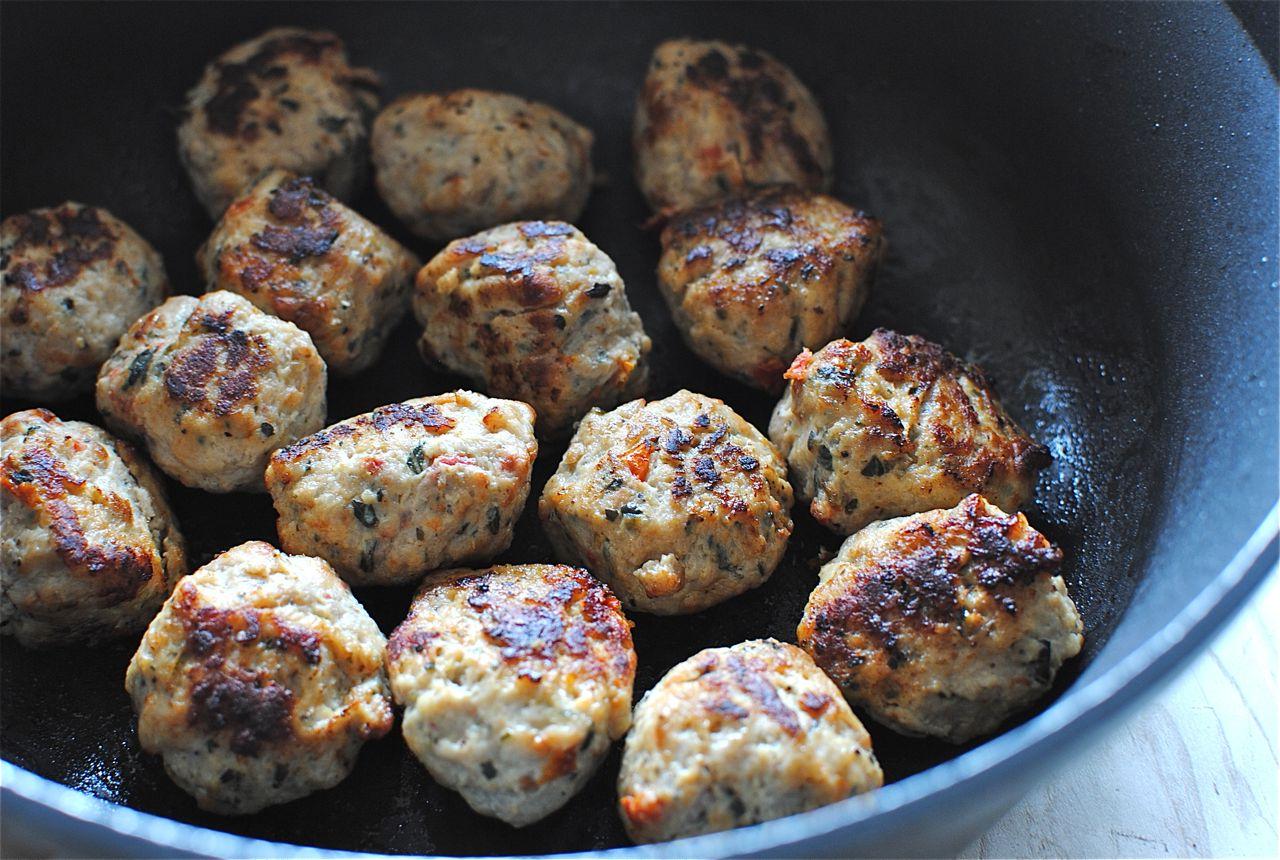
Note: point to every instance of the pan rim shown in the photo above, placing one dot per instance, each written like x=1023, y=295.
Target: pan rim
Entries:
x=1078, y=714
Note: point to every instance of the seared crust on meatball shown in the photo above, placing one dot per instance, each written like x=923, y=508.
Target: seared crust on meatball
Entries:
x=259, y=680
x=515, y=682
x=287, y=98
x=407, y=488
x=736, y=736
x=90, y=548
x=212, y=386
x=72, y=279
x=535, y=312
x=943, y=623
x=715, y=119
x=753, y=280
x=296, y=252
x=448, y=164
x=678, y=504
x=896, y=425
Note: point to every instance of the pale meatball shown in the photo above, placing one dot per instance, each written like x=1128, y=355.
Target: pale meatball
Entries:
x=296, y=252
x=407, y=488
x=535, y=312
x=448, y=164
x=212, y=386
x=716, y=119
x=515, y=682
x=896, y=425
x=73, y=279
x=678, y=504
x=287, y=98
x=753, y=280
x=943, y=623
x=89, y=548
x=736, y=736
x=259, y=680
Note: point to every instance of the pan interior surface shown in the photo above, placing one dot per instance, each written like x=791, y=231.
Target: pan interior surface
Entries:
x=1052, y=185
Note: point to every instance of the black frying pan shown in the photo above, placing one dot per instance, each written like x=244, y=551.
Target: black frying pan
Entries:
x=1079, y=197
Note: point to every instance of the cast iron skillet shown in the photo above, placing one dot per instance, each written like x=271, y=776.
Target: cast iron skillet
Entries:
x=1081, y=197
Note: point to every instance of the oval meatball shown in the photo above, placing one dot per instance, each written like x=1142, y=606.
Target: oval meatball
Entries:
x=736, y=736
x=678, y=504
x=287, y=98
x=212, y=386
x=259, y=680
x=535, y=312
x=296, y=252
x=716, y=119
x=943, y=623
x=407, y=488
x=73, y=278
x=90, y=548
x=896, y=425
x=515, y=682
x=753, y=280
x=448, y=164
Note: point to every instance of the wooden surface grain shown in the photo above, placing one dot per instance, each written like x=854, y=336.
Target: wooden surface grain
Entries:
x=1193, y=774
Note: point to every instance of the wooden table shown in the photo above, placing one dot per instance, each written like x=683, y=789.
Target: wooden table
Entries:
x=1193, y=774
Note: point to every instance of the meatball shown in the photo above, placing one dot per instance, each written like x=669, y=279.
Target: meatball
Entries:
x=212, y=386
x=295, y=252
x=535, y=312
x=448, y=164
x=89, y=548
x=515, y=682
x=752, y=280
x=259, y=680
x=407, y=488
x=678, y=504
x=715, y=119
x=287, y=98
x=736, y=736
x=73, y=278
x=943, y=623
x=895, y=425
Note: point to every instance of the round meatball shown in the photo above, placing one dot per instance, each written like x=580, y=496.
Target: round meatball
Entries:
x=535, y=312
x=407, y=488
x=259, y=680
x=943, y=623
x=895, y=425
x=752, y=280
x=296, y=252
x=715, y=119
x=515, y=682
x=678, y=504
x=736, y=736
x=72, y=278
x=212, y=386
x=448, y=164
x=287, y=98
x=89, y=548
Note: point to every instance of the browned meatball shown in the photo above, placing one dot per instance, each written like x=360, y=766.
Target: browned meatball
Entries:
x=714, y=119
x=534, y=311
x=74, y=278
x=753, y=280
x=287, y=98
x=293, y=250
x=515, y=681
x=449, y=164
x=259, y=680
x=897, y=425
x=943, y=623
x=89, y=548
